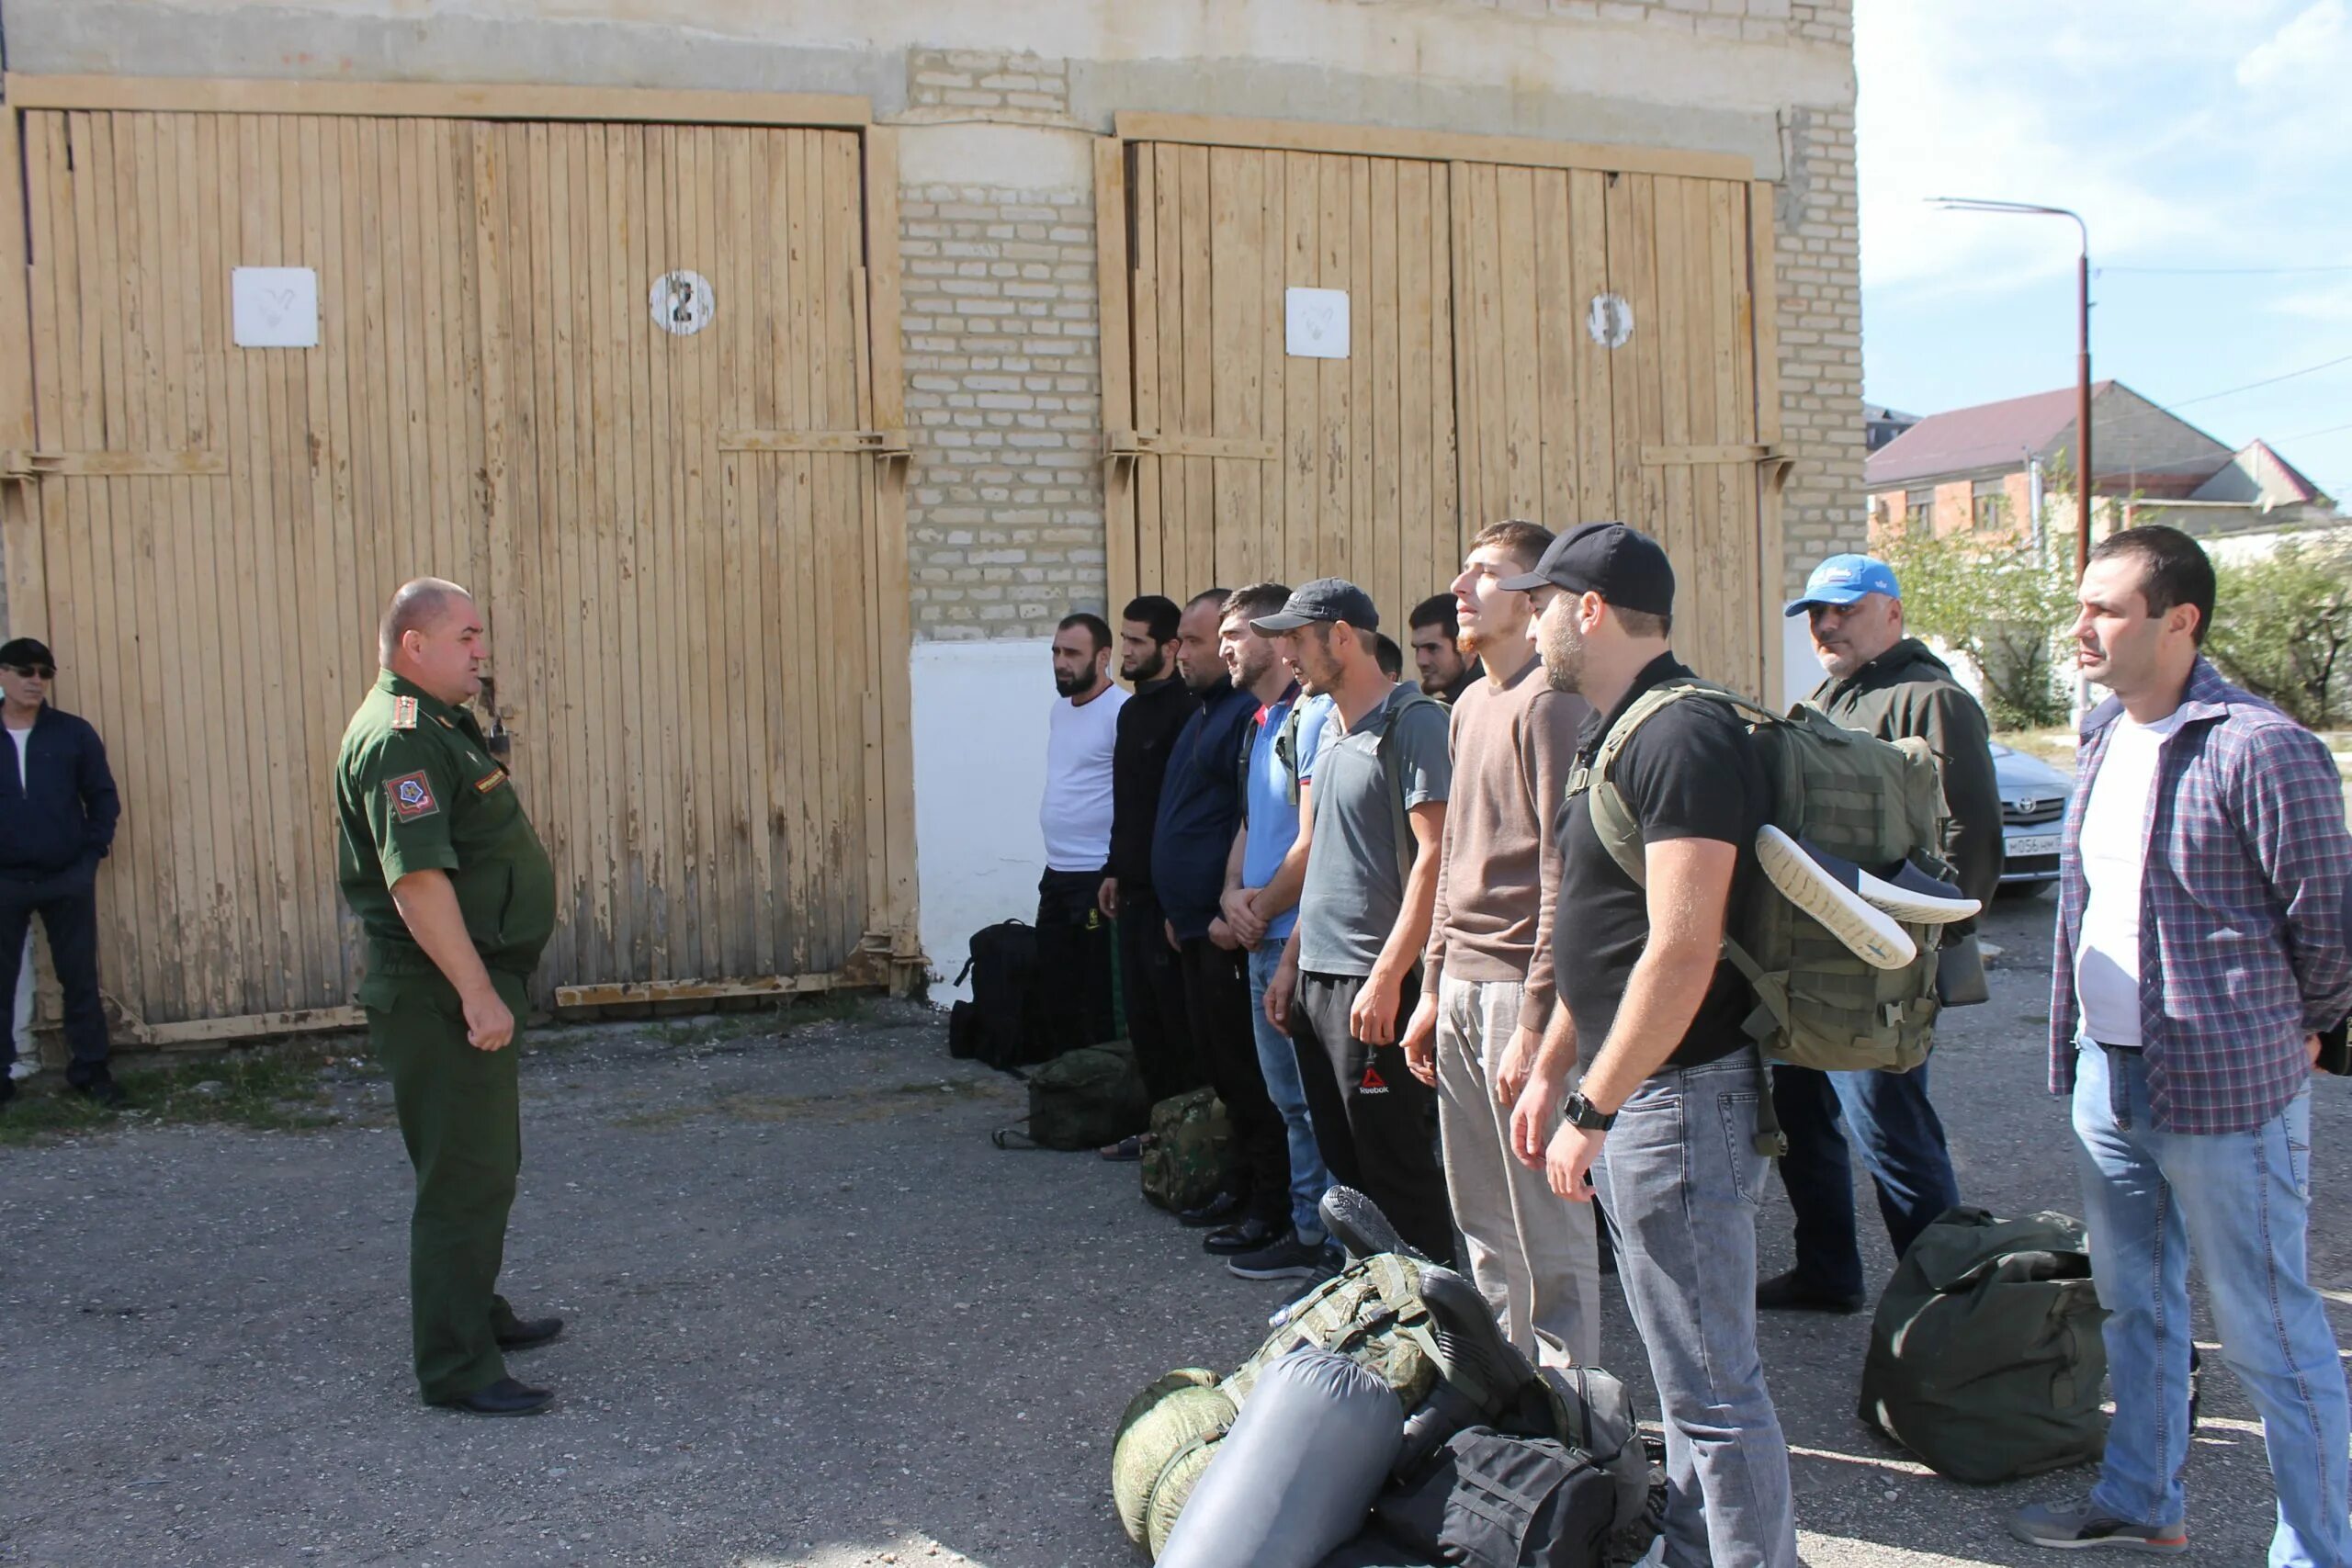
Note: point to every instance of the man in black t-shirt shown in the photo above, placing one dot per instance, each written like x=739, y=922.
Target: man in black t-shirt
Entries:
x=1654, y=1015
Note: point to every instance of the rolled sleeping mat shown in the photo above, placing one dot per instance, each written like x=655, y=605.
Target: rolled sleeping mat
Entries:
x=1297, y=1475
x=1181, y=1411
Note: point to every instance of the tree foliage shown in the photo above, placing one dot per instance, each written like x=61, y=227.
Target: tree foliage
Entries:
x=2282, y=628
x=2003, y=601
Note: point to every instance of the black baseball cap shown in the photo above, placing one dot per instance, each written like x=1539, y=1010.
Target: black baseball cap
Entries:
x=25, y=650
x=1326, y=598
x=1623, y=565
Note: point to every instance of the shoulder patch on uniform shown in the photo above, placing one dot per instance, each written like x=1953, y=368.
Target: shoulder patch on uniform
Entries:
x=496, y=776
x=404, y=713
x=411, y=796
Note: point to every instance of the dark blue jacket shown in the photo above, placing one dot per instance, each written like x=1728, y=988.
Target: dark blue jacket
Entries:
x=63, y=813
x=1200, y=809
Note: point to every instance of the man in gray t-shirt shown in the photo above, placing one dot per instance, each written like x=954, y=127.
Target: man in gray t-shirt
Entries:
x=1351, y=973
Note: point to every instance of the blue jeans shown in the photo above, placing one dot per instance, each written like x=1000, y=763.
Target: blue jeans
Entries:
x=1278, y=1059
x=2242, y=1200
x=1682, y=1181
x=1903, y=1149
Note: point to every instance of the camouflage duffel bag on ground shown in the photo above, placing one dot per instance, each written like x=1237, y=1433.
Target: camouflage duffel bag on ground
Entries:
x=1188, y=1157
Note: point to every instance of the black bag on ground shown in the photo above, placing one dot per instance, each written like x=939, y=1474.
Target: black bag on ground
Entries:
x=1081, y=1099
x=1002, y=1025
x=1589, y=1494
x=1986, y=1357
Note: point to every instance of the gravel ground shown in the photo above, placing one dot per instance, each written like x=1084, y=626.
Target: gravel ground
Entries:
x=815, y=1320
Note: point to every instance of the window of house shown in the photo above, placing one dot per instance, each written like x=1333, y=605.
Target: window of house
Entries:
x=1919, y=508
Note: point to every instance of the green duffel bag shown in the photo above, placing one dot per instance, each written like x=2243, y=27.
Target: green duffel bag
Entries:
x=1187, y=1159
x=1082, y=1100
x=1986, y=1357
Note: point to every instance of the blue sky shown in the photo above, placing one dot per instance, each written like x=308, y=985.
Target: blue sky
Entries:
x=2188, y=133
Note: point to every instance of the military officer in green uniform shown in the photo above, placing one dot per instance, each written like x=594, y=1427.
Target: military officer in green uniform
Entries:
x=458, y=899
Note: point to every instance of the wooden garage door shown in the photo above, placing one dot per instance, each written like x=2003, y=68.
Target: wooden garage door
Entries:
x=684, y=532
x=683, y=596
x=1474, y=388
x=1659, y=430
x=1258, y=464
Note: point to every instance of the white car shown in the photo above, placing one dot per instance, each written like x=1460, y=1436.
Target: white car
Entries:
x=2033, y=811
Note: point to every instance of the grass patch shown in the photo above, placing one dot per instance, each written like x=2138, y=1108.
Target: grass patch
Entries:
x=266, y=1089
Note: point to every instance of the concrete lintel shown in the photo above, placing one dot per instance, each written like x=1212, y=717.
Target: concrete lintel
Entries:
x=1010, y=157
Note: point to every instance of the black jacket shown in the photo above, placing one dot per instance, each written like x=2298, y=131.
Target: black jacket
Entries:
x=1148, y=724
x=1908, y=691
x=64, y=814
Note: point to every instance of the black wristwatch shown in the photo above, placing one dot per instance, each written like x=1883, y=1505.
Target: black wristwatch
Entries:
x=1581, y=1112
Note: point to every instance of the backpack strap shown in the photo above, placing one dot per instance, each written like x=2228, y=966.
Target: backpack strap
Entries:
x=1392, y=768
x=1621, y=835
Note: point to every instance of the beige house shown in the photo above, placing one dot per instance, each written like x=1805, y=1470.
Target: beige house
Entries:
x=778, y=375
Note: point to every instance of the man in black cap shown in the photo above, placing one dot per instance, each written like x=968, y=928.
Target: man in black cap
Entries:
x=1653, y=1014
x=1351, y=973
x=56, y=824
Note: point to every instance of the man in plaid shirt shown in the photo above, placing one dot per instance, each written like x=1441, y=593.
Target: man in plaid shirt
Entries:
x=2200, y=971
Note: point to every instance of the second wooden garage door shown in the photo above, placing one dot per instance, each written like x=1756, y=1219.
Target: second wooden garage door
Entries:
x=1474, y=388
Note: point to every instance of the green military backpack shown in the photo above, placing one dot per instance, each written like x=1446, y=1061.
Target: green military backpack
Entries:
x=1874, y=802
x=1986, y=1356
x=1081, y=1099
x=1188, y=1155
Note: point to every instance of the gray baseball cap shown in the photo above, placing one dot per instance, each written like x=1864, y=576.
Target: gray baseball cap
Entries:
x=1326, y=598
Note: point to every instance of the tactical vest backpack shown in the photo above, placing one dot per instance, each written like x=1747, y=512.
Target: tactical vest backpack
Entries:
x=1004, y=1024
x=1874, y=802
x=1986, y=1357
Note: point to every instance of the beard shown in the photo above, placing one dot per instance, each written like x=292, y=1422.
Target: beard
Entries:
x=1839, y=662
x=1252, y=666
x=1152, y=669
x=1202, y=677
x=1563, y=648
x=1070, y=685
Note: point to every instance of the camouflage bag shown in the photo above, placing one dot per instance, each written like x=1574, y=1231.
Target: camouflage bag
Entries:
x=1188, y=1157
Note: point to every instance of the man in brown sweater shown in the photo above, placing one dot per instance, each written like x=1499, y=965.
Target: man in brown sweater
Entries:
x=1476, y=1035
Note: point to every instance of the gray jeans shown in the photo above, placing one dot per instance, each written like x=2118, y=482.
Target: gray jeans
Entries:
x=1682, y=1180
x=1533, y=1254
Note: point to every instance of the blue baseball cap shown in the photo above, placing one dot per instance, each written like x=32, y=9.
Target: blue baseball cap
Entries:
x=1841, y=579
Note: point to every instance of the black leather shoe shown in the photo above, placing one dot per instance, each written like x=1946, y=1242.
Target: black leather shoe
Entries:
x=504, y=1397
x=102, y=1089
x=1792, y=1292
x=528, y=1333
x=1219, y=1210
x=1242, y=1236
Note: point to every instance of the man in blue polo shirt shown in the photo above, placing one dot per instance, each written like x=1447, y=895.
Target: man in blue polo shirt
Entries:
x=1200, y=807
x=1262, y=886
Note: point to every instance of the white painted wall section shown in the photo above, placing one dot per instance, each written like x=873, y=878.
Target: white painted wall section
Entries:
x=981, y=712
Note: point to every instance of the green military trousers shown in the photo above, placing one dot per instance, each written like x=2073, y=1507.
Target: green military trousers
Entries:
x=460, y=1117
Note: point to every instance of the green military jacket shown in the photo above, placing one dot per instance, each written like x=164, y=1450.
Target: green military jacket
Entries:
x=1908, y=691
x=416, y=789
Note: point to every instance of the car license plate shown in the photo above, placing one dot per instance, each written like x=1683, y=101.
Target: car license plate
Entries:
x=2033, y=844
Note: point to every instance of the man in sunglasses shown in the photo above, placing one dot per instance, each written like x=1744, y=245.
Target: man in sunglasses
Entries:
x=58, y=808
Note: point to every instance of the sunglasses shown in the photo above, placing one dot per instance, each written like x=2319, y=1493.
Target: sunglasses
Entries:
x=44, y=671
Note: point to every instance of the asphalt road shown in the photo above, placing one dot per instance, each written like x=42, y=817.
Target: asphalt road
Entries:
x=815, y=1320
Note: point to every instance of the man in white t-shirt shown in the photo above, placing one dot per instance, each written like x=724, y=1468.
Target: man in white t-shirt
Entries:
x=1073, y=938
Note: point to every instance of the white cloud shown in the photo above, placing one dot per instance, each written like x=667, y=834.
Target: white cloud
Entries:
x=2124, y=110
x=2311, y=48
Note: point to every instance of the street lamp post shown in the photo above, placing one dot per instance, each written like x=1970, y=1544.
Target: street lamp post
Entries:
x=2082, y=354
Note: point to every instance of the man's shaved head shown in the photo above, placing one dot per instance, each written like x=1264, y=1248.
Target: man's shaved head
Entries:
x=417, y=607
x=432, y=636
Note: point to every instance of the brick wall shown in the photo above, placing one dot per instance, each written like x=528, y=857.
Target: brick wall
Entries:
x=1818, y=236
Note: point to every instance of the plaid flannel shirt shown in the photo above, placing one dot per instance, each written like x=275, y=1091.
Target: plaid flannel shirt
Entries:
x=2243, y=910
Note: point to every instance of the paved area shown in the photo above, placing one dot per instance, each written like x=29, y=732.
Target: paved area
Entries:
x=815, y=1321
